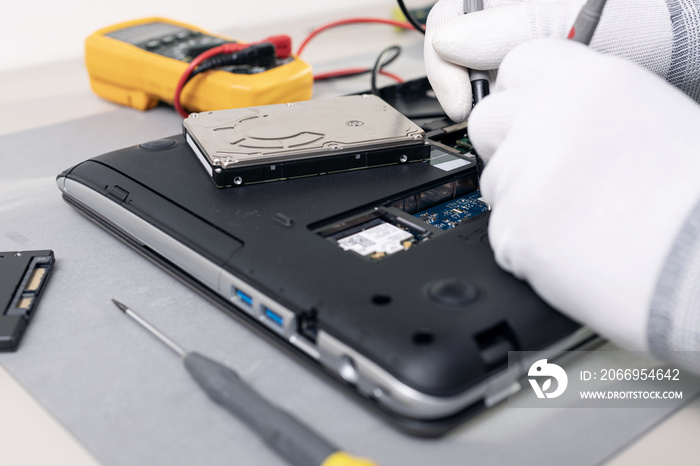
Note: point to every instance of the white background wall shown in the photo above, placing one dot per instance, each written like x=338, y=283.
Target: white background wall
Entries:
x=36, y=32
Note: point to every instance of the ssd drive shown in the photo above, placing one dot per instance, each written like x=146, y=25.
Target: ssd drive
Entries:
x=274, y=142
x=23, y=277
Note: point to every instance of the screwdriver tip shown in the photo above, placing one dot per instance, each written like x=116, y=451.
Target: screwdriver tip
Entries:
x=119, y=305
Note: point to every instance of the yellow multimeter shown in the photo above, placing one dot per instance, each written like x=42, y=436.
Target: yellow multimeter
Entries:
x=138, y=63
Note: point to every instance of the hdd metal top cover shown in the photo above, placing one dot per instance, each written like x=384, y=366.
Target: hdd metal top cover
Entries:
x=315, y=128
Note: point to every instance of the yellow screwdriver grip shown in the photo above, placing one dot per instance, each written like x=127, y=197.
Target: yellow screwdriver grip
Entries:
x=340, y=458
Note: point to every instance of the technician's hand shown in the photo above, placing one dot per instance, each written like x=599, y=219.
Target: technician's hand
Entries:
x=640, y=30
x=592, y=175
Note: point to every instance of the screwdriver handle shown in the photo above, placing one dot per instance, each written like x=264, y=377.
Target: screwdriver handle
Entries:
x=470, y=6
x=293, y=440
x=479, y=78
x=480, y=85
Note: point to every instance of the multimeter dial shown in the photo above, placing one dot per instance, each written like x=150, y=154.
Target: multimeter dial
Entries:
x=167, y=40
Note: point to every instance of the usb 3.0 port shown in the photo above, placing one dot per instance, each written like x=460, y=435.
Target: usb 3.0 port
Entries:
x=245, y=297
x=274, y=317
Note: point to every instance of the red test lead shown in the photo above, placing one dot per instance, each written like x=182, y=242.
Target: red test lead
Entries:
x=587, y=21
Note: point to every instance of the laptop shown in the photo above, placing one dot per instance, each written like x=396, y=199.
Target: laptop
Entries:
x=382, y=277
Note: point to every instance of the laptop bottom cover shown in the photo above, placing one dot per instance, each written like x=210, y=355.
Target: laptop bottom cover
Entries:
x=384, y=277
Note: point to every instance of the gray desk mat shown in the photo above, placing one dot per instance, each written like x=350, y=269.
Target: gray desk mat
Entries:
x=129, y=400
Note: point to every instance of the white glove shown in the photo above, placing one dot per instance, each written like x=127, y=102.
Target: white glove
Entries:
x=640, y=30
x=592, y=171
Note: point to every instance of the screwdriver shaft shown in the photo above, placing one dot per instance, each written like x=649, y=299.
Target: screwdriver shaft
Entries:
x=154, y=331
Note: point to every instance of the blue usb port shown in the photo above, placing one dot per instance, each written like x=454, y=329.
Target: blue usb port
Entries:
x=273, y=316
x=245, y=297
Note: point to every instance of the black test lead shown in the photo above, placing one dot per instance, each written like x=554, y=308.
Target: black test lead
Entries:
x=293, y=440
x=478, y=78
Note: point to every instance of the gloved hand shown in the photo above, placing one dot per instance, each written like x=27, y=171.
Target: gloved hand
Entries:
x=592, y=168
x=640, y=30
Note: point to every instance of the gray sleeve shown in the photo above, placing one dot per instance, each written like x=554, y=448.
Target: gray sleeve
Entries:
x=684, y=71
x=673, y=330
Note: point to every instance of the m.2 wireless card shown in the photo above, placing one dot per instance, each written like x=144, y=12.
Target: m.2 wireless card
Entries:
x=23, y=277
x=274, y=142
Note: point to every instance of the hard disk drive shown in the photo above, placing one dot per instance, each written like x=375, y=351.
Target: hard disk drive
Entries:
x=272, y=142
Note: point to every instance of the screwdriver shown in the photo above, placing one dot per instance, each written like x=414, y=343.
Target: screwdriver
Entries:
x=478, y=78
x=289, y=437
